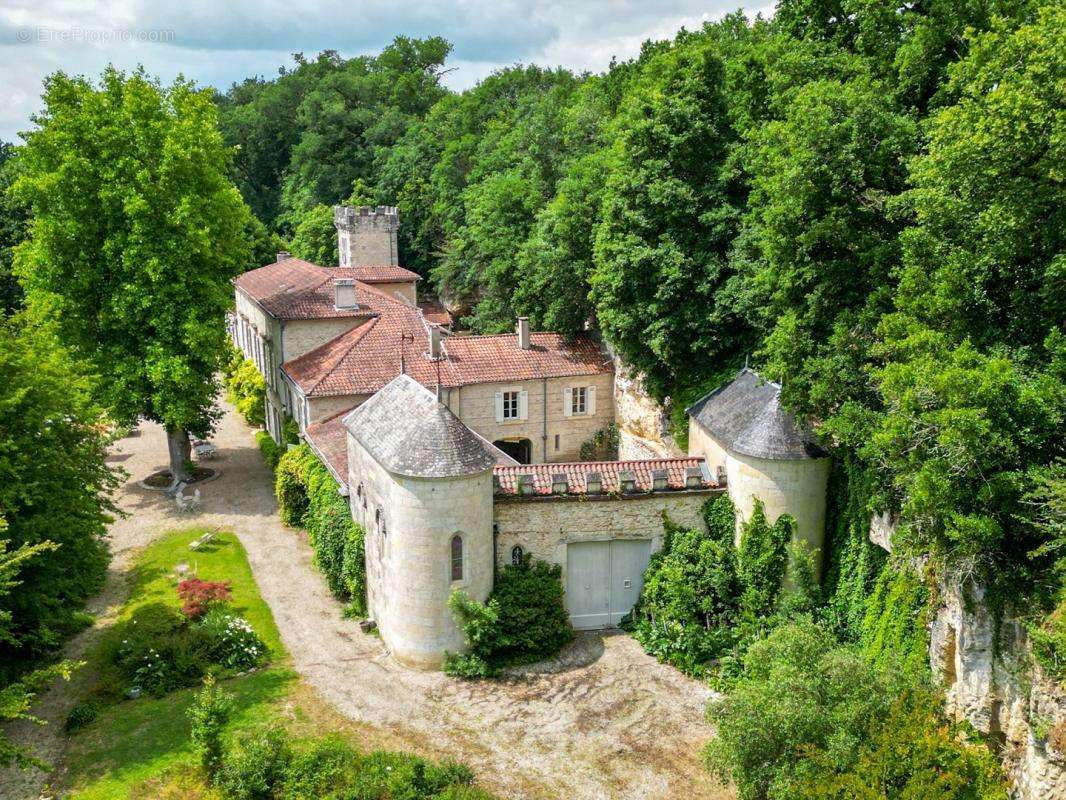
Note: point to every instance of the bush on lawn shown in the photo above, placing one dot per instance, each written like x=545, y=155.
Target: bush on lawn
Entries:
x=159, y=649
x=269, y=764
x=308, y=496
x=201, y=596
x=524, y=620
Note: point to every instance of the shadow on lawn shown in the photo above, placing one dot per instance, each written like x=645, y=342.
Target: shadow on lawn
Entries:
x=136, y=738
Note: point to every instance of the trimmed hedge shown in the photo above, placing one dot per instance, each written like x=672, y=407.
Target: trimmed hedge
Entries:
x=308, y=497
x=271, y=450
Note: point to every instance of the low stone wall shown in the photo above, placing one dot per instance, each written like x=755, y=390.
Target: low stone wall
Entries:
x=544, y=525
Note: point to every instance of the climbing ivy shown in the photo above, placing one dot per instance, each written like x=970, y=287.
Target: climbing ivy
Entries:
x=852, y=562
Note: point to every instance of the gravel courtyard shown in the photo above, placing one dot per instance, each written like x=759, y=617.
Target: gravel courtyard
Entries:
x=602, y=721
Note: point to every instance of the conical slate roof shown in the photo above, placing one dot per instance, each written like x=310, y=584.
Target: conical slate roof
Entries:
x=408, y=432
x=746, y=416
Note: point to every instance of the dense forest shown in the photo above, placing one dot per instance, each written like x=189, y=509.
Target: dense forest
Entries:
x=863, y=200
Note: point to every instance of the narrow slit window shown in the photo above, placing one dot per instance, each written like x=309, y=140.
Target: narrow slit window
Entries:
x=457, y=558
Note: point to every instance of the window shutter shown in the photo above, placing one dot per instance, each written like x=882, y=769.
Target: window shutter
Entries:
x=568, y=401
x=499, y=406
x=590, y=400
x=523, y=404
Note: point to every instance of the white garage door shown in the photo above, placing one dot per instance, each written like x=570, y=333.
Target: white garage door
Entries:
x=603, y=580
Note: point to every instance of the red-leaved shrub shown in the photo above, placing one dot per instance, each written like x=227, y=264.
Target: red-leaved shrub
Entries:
x=200, y=596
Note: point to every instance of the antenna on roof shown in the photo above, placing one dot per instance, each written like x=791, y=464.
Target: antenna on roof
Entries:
x=404, y=337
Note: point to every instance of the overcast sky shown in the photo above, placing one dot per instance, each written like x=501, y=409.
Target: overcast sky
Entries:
x=217, y=42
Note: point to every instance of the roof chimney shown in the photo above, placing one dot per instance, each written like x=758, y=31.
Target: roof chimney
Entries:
x=523, y=333
x=284, y=254
x=434, y=341
x=344, y=293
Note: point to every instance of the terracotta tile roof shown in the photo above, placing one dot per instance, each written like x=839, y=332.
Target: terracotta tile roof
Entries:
x=329, y=440
x=435, y=313
x=677, y=471
x=294, y=289
x=366, y=358
x=298, y=289
x=377, y=274
x=491, y=359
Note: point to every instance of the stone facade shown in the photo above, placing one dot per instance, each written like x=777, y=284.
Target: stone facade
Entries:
x=367, y=235
x=409, y=526
x=554, y=435
x=544, y=526
x=793, y=487
x=405, y=291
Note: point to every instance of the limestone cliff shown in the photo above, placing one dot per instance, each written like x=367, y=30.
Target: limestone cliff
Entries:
x=997, y=687
x=643, y=424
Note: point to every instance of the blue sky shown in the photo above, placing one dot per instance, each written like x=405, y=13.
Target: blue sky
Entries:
x=217, y=42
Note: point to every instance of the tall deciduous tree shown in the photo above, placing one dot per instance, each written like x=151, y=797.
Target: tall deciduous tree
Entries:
x=136, y=233
x=669, y=216
x=54, y=488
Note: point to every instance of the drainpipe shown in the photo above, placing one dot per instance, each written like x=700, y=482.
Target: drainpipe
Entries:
x=544, y=409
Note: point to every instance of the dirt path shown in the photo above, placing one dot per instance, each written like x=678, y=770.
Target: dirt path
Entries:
x=606, y=721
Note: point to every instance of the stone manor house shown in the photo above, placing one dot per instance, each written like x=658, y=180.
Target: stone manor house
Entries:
x=459, y=453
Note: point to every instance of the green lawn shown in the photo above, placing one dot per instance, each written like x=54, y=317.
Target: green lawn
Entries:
x=135, y=740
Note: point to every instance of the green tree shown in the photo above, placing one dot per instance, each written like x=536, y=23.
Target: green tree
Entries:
x=669, y=215
x=13, y=221
x=135, y=235
x=54, y=489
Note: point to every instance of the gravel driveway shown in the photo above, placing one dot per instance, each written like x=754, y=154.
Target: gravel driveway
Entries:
x=603, y=720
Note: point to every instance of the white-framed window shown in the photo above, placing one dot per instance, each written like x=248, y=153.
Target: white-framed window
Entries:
x=579, y=401
x=510, y=405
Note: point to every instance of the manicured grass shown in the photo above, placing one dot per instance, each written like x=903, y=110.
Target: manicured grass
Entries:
x=135, y=740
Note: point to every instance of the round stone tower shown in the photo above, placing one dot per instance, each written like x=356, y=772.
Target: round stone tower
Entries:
x=420, y=482
x=763, y=453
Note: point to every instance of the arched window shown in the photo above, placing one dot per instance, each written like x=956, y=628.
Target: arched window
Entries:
x=516, y=554
x=457, y=557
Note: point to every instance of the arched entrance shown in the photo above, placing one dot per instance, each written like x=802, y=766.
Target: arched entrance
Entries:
x=521, y=450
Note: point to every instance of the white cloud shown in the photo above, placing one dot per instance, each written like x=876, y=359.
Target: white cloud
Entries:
x=217, y=43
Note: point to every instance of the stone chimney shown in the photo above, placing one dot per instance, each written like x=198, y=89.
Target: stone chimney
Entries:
x=523, y=333
x=434, y=341
x=366, y=235
x=284, y=254
x=344, y=294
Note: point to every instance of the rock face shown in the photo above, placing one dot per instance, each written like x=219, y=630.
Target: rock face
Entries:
x=1000, y=691
x=643, y=425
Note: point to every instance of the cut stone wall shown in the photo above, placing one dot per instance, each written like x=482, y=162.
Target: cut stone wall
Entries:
x=643, y=426
x=409, y=525
x=543, y=526
x=303, y=335
x=474, y=404
x=320, y=408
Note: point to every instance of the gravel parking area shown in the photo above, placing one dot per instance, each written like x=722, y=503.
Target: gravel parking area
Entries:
x=603, y=720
